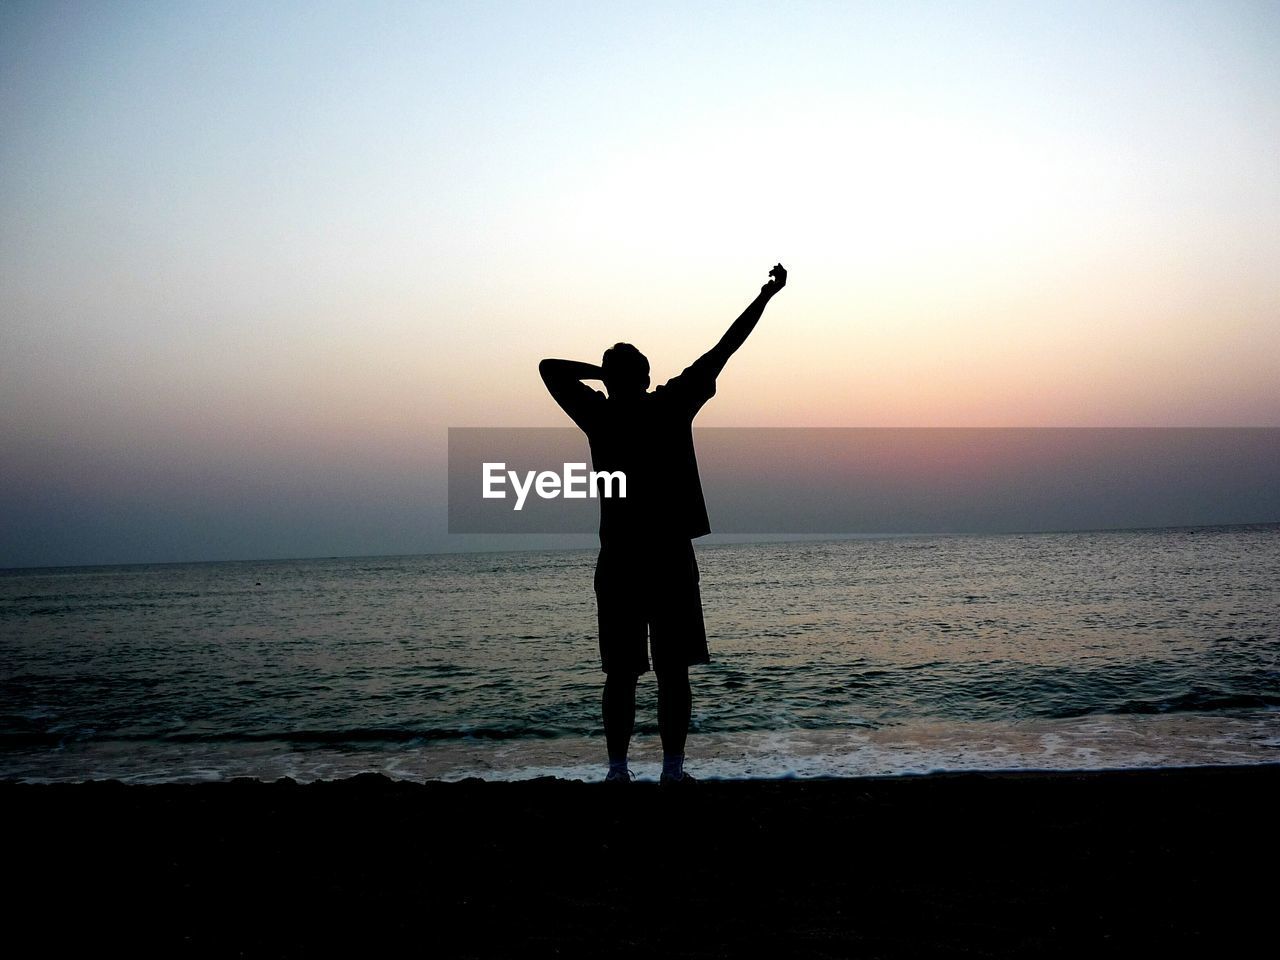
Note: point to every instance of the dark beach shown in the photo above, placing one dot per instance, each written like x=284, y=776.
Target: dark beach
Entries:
x=1131, y=863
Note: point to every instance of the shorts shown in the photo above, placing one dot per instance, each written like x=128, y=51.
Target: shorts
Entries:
x=648, y=598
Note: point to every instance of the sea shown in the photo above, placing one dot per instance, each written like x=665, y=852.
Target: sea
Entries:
x=880, y=656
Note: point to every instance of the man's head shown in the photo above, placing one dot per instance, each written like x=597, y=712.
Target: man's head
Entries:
x=626, y=370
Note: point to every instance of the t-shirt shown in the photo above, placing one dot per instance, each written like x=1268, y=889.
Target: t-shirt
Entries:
x=648, y=437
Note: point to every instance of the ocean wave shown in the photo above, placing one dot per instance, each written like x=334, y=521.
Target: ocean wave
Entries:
x=1193, y=701
x=382, y=657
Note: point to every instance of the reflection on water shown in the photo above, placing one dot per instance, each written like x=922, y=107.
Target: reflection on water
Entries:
x=1097, y=649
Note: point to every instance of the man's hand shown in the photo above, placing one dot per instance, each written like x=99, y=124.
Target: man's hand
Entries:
x=777, y=280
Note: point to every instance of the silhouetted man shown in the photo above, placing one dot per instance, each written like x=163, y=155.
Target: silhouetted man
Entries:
x=646, y=579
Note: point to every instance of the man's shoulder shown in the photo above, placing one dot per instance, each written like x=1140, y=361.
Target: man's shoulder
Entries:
x=689, y=389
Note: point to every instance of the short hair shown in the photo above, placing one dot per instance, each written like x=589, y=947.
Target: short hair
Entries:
x=622, y=359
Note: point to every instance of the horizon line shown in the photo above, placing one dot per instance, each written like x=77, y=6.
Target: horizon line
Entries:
x=758, y=539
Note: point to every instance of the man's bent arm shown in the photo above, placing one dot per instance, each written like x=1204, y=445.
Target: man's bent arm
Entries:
x=564, y=380
x=715, y=358
x=557, y=372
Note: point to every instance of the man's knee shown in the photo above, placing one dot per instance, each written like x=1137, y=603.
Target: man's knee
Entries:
x=673, y=676
x=621, y=680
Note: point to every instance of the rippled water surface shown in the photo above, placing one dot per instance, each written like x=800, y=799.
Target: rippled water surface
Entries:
x=1115, y=648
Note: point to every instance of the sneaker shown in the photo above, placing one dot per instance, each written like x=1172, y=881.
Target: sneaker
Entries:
x=619, y=776
x=686, y=779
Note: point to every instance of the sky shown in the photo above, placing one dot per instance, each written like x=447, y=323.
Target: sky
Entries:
x=256, y=259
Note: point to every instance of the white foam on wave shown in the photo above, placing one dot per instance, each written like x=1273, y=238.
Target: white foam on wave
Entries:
x=1088, y=743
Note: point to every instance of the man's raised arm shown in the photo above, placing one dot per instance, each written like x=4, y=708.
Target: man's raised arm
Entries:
x=713, y=360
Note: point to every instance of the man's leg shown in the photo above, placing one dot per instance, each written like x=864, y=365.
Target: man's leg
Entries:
x=618, y=705
x=675, y=707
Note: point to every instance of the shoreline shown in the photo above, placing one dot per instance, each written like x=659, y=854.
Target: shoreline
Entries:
x=1000, y=863
x=1090, y=742
x=371, y=779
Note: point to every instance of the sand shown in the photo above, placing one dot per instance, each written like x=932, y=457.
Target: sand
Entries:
x=1132, y=863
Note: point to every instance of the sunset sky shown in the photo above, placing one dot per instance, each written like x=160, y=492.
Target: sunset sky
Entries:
x=255, y=259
